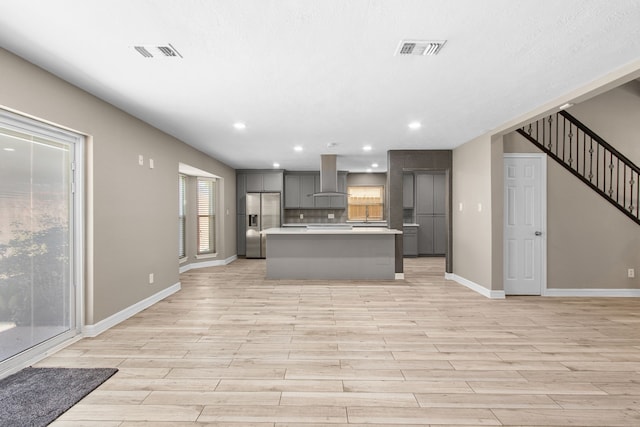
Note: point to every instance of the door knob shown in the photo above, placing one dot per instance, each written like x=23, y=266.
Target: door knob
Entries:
x=538, y=233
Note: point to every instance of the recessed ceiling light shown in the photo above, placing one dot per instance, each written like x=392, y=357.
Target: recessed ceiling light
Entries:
x=239, y=125
x=415, y=125
x=298, y=148
x=367, y=148
x=374, y=165
x=276, y=165
x=9, y=149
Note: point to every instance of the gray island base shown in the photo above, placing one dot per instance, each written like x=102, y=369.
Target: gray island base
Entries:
x=366, y=253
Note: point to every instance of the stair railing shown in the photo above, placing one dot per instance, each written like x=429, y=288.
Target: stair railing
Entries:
x=590, y=158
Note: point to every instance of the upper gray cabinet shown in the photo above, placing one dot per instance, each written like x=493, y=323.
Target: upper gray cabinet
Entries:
x=257, y=182
x=299, y=188
x=407, y=191
x=424, y=194
x=291, y=191
x=439, y=196
x=272, y=181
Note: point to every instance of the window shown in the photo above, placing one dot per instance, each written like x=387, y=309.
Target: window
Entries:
x=182, y=217
x=206, y=216
x=366, y=203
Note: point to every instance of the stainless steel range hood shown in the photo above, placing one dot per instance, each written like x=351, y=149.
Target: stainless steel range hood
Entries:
x=328, y=176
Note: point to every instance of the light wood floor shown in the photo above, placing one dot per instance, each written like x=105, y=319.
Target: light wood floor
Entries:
x=234, y=349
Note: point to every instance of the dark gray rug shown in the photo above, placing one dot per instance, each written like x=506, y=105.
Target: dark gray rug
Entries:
x=37, y=396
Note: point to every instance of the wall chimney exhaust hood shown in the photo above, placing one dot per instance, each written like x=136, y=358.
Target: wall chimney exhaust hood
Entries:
x=328, y=177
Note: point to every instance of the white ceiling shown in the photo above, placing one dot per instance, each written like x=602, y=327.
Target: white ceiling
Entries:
x=313, y=72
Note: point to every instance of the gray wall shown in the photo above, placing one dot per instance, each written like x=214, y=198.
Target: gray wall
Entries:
x=472, y=225
x=131, y=210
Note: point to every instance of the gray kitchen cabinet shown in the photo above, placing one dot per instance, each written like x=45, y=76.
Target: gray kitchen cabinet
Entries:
x=430, y=201
x=439, y=235
x=291, y=191
x=262, y=181
x=439, y=194
x=272, y=182
x=300, y=187
x=254, y=182
x=242, y=237
x=241, y=193
x=425, y=234
x=298, y=191
x=407, y=191
x=410, y=241
x=307, y=188
x=424, y=194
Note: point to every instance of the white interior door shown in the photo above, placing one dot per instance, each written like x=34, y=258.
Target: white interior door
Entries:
x=524, y=224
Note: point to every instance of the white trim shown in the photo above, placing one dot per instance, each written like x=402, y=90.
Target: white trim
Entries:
x=543, y=219
x=207, y=256
x=399, y=276
x=97, y=328
x=586, y=292
x=36, y=354
x=475, y=287
x=217, y=263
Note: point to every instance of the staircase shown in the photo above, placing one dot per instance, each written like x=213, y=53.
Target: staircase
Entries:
x=590, y=158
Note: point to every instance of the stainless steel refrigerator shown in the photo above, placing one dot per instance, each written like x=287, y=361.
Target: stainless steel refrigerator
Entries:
x=263, y=211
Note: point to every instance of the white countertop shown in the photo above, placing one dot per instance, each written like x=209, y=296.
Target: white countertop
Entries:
x=330, y=230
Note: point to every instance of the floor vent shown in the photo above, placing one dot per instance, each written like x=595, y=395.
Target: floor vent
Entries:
x=420, y=47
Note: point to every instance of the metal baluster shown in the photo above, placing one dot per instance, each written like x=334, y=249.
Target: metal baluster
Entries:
x=584, y=153
x=617, y=178
x=638, y=196
x=550, y=138
x=624, y=183
x=570, y=146
x=611, y=175
x=590, y=159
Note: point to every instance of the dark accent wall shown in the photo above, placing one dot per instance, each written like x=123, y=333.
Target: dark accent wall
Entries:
x=399, y=161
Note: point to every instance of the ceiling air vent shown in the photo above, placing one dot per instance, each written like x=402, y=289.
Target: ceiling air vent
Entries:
x=158, y=51
x=420, y=47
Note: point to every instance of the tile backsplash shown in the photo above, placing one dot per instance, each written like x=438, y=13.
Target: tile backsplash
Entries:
x=314, y=216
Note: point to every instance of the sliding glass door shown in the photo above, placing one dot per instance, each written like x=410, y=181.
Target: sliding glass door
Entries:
x=37, y=261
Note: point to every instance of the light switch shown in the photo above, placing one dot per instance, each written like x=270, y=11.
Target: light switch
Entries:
x=460, y=206
x=479, y=207
x=140, y=159
x=150, y=163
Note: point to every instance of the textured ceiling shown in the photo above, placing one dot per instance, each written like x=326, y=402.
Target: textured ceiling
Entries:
x=313, y=72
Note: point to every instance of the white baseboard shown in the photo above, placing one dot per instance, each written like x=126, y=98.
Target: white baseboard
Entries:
x=215, y=263
x=475, y=287
x=96, y=329
x=623, y=293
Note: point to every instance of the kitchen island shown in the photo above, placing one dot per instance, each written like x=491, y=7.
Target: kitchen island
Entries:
x=331, y=252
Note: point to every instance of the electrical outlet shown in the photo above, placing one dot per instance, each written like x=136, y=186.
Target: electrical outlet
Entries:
x=150, y=278
x=301, y=216
x=631, y=273
x=331, y=216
